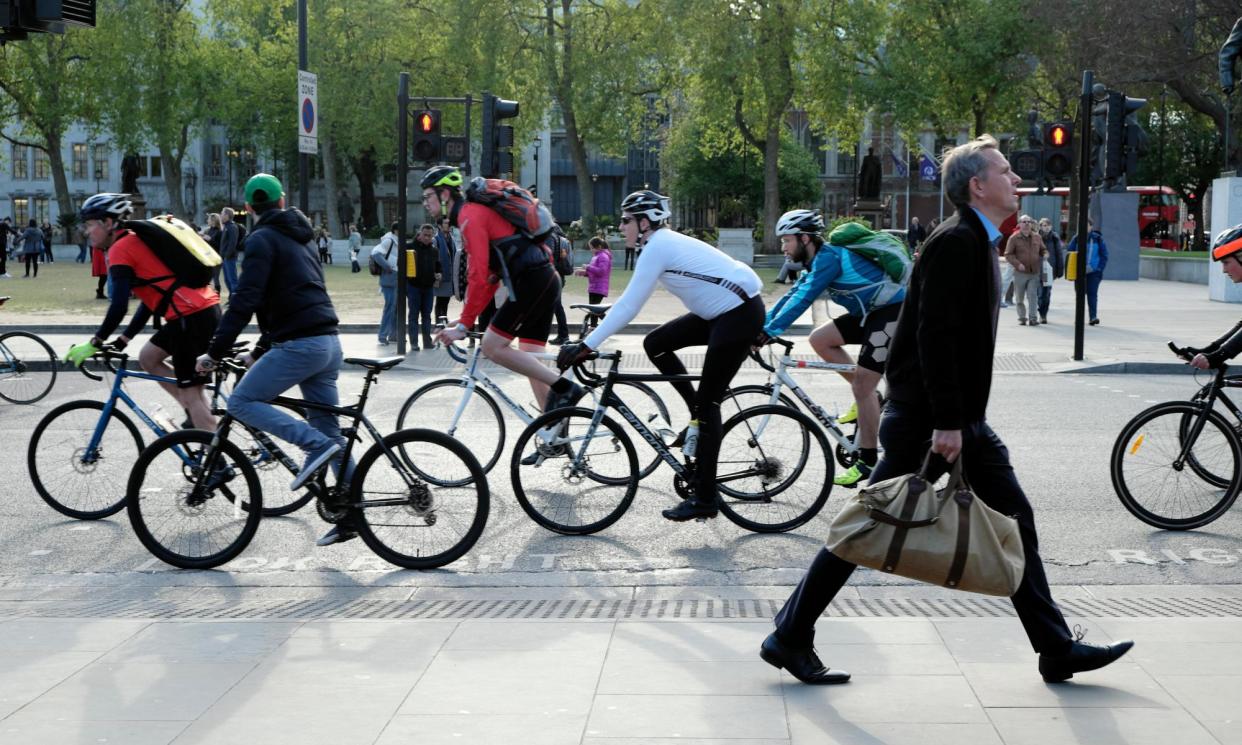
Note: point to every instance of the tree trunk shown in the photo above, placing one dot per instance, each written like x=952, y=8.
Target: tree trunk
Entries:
x=56, y=160
x=771, y=187
x=582, y=170
x=364, y=169
x=329, y=187
x=171, y=165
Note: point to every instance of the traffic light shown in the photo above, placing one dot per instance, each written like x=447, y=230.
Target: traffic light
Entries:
x=1028, y=164
x=1058, y=150
x=1124, y=139
x=496, y=159
x=427, y=138
x=21, y=17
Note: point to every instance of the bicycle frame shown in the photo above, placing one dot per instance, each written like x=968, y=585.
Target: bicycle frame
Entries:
x=784, y=379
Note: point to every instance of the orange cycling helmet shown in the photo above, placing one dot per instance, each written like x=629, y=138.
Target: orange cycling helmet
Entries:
x=1227, y=243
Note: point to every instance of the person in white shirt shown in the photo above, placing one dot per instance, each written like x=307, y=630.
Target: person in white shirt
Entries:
x=726, y=314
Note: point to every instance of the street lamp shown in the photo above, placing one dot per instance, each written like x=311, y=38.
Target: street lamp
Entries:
x=231, y=153
x=537, y=143
x=98, y=177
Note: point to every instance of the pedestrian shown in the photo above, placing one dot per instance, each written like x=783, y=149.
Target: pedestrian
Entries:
x=1097, y=259
x=445, y=251
x=1054, y=265
x=324, y=244
x=229, y=244
x=7, y=234
x=1188, y=232
x=915, y=235
x=424, y=260
x=355, y=245
x=1025, y=253
x=563, y=262
x=83, y=245
x=48, y=235
x=384, y=257
x=629, y=257
x=939, y=374
x=598, y=272
x=32, y=248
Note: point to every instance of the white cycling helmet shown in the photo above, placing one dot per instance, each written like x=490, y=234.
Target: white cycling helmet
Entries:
x=797, y=222
x=108, y=204
x=654, y=207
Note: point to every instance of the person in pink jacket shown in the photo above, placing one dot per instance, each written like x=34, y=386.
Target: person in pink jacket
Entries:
x=597, y=271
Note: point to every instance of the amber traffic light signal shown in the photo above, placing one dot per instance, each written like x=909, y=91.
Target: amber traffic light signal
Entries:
x=1058, y=150
x=427, y=138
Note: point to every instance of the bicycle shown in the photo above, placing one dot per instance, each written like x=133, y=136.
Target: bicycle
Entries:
x=1176, y=465
x=775, y=467
x=476, y=411
x=82, y=467
x=192, y=493
x=772, y=393
x=27, y=367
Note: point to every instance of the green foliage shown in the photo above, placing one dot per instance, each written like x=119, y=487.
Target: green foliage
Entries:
x=837, y=222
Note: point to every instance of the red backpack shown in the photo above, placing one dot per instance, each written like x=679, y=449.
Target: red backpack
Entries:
x=516, y=205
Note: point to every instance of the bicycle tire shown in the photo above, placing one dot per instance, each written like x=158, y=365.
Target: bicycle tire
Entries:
x=536, y=486
x=488, y=448
x=1157, y=435
x=776, y=501
x=11, y=378
x=156, y=465
x=274, y=478
x=734, y=399
x=653, y=405
x=1204, y=472
x=104, y=492
x=472, y=491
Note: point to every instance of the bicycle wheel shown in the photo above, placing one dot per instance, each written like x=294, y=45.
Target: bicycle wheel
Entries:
x=1203, y=470
x=27, y=367
x=742, y=397
x=186, y=525
x=650, y=409
x=583, y=478
x=775, y=469
x=479, y=424
x=86, y=485
x=422, y=525
x=274, y=476
x=1163, y=492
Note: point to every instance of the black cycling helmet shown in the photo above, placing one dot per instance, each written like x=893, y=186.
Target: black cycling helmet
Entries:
x=797, y=222
x=107, y=204
x=1228, y=243
x=648, y=204
x=441, y=176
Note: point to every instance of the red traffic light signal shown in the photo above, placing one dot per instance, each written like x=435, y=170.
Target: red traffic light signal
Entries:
x=1058, y=136
x=426, y=123
x=427, y=139
x=1058, y=150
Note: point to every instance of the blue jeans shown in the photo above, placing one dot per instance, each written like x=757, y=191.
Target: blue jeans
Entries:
x=230, y=274
x=418, y=302
x=388, y=319
x=312, y=364
x=1093, y=294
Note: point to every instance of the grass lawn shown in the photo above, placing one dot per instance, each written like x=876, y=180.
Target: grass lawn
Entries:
x=1162, y=254
x=64, y=292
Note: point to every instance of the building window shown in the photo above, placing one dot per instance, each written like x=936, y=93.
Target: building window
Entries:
x=846, y=163
x=21, y=162
x=42, y=165
x=101, y=162
x=154, y=170
x=21, y=211
x=216, y=169
x=79, y=162
x=40, y=213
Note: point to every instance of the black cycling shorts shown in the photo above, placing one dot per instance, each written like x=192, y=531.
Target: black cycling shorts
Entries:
x=875, y=336
x=527, y=314
x=185, y=339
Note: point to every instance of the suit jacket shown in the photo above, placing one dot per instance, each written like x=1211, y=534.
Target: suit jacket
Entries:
x=941, y=354
x=228, y=239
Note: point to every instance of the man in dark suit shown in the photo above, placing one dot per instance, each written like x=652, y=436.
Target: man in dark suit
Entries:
x=939, y=376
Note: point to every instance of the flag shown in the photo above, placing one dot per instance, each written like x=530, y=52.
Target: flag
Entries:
x=927, y=168
x=899, y=166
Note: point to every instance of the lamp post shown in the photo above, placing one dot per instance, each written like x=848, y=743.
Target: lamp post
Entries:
x=537, y=143
x=191, y=181
x=98, y=178
x=594, y=193
x=231, y=153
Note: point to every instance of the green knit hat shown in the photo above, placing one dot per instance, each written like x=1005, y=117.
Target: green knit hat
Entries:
x=263, y=188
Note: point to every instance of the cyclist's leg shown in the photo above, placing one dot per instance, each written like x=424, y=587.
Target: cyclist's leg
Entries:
x=874, y=336
x=728, y=344
x=828, y=340
x=526, y=317
x=685, y=331
x=189, y=342
x=285, y=365
x=320, y=387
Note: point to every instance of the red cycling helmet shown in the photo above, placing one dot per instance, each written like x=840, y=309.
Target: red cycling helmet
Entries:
x=1227, y=243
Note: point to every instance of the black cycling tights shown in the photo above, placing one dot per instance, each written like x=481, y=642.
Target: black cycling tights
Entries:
x=728, y=338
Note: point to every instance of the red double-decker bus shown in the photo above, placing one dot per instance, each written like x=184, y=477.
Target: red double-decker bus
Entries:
x=1159, y=214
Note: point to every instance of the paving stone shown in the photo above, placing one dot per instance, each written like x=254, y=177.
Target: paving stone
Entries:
x=687, y=716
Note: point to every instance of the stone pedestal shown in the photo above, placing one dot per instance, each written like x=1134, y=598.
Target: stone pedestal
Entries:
x=1116, y=217
x=738, y=243
x=875, y=211
x=1226, y=212
x=140, y=206
x=1040, y=206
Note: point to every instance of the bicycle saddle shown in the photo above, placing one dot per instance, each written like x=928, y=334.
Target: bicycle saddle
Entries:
x=382, y=363
x=595, y=310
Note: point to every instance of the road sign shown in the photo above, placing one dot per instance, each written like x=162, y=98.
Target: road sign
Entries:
x=308, y=112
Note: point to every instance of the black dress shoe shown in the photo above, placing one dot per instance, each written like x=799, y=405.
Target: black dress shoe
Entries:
x=690, y=509
x=801, y=662
x=1080, y=658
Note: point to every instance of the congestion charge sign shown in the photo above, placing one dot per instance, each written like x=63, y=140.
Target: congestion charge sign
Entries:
x=308, y=112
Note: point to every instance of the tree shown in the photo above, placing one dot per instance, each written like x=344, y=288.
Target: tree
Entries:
x=46, y=91
x=1191, y=153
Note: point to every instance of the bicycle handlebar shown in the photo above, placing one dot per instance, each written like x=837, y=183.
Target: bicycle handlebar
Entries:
x=758, y=358
x=107, y=356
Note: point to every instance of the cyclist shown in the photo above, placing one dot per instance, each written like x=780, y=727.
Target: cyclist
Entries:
x=1225, y=249
x=726, y=314
x=854, y=282
x=190, y=315
x=282, y=282
x=527, y=314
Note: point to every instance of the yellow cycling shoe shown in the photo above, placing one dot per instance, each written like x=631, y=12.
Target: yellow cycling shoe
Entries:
x=850, y=415
x=857, y=474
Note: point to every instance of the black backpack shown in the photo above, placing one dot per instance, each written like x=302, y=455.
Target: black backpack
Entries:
x=563, y=256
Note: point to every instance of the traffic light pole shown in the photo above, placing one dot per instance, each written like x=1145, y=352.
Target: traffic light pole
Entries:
x=1085, y=107
x=403, y=169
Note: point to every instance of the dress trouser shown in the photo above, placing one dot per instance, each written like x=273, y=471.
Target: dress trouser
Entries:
x=728, y=338
x=1026, y=292
x=905, y=435
x=562, y=325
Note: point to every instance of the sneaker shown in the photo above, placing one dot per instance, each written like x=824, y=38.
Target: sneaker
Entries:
x=1005, y=305
x=384, y=342
x=1021, y=321
x=856, y=474
x=1095, y=322
x=1032, y=322
x=340, y=533
x=1043, y=319
x=690, y=509
x=560, y=340
x=561, y=400
x=315, y=461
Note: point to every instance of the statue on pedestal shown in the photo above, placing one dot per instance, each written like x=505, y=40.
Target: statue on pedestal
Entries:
x=130, y=166
x=869, y=177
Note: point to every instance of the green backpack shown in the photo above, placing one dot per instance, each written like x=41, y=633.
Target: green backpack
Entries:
x=883, y=249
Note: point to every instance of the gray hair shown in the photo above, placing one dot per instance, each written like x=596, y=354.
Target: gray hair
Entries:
x=963, y=163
